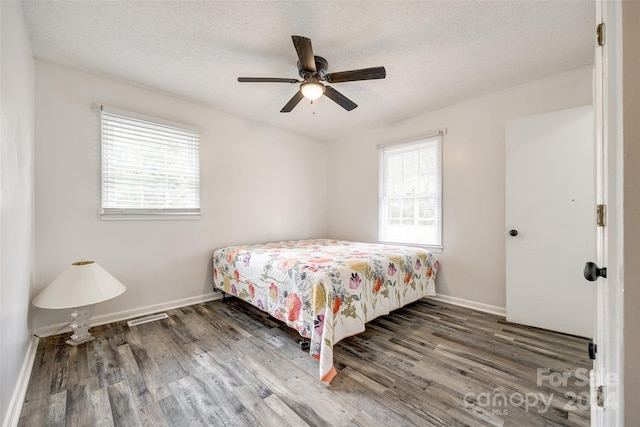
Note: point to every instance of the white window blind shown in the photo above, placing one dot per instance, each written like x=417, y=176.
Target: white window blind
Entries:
x=411, y=192
x=149, y=166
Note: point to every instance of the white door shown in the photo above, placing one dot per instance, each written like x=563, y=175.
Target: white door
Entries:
x=550, y=194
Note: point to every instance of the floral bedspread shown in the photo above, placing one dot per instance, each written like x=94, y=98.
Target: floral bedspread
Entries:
x=326, y=289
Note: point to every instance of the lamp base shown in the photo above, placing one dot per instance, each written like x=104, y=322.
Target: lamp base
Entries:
x=75, y=342
x=80, y=325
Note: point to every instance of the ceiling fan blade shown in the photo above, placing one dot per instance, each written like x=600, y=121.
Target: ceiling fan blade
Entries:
x=353, y=75
x=339, y=98
x=266, y=80
x=305, y=53
x=292, y=102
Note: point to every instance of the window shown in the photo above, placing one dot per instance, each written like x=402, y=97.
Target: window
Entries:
x=411, y=192
x=150, y=167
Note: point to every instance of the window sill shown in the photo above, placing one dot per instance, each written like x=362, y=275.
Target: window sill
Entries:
x=431, y=248
x=148, y=217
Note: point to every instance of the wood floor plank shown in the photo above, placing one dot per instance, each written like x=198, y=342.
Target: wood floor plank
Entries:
x=59, y=376
x=173, y=412
x=77, y=396
x=284, y=411
x=56, y=415
x=162, y=349
x=100, y=413
x=220, y=398
x=182, y=395
x=39, y=388
x=140, y=394
x=153, y=375
x=122, y=407
x=199, y=399
x=105, y=358
x=259, y=409
x=227, y=363
x=32, y=419
x=151, y=415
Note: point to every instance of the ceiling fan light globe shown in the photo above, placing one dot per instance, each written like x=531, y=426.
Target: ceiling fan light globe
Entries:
x=312, y=90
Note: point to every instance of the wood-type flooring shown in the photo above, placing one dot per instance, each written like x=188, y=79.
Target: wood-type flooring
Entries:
x=226, y=363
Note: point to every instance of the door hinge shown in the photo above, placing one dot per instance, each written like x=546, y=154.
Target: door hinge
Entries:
x=593, y=349
x=601, y=213
x=600, y=396
x=600, y=34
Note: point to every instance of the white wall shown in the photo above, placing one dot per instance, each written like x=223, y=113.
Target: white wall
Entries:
x=473, y=259
x=16, y=212
x=258, y=183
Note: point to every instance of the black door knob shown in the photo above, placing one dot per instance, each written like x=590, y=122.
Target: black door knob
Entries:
x=592, y=272
x=513, y=233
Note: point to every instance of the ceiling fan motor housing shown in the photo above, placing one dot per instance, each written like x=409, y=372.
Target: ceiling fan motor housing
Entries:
x=321, y=69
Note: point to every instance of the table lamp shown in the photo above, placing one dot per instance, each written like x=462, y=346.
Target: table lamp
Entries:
x=82, y=285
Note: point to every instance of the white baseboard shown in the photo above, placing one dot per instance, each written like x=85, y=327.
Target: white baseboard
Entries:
x=493, y=309
x=130, y=314
x=15, y=404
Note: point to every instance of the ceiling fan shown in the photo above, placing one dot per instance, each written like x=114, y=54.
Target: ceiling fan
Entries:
x=313, y=70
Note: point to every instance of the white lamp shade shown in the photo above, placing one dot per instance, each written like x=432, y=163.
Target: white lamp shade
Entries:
x=82, y=283
x=312, y=90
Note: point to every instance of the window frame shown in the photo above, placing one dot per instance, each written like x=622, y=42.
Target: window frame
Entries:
x=382, y=215
x=128, y=213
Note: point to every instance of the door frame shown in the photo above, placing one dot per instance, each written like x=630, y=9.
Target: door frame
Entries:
x=608, y=366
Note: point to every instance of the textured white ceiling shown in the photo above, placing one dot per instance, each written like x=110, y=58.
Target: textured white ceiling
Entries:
x=436, y=53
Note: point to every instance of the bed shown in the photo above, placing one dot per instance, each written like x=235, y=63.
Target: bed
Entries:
x=326, y=289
